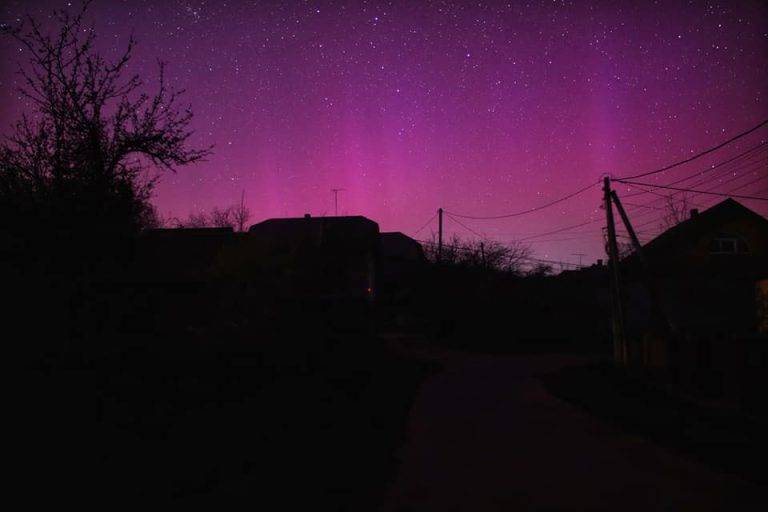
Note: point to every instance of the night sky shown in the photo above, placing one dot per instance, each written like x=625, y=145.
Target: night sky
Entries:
x=483, y=108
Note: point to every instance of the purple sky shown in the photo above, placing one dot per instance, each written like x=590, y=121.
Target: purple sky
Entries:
x=483, y=108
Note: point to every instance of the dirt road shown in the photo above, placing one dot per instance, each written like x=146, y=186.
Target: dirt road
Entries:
x=484, y=435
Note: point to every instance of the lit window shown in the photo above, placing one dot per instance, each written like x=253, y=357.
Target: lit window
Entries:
x=727, y=244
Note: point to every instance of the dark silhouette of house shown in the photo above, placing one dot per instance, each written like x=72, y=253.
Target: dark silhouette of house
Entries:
x=400, y=273
x=303, y=257
x=278, y=264
x=728, y=239
x=399, y=257
x=398, y=247
x=705, y=274
x=322, y=257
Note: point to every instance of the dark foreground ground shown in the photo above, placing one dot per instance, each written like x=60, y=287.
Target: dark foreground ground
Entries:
x=305, y=419
x=723, y=438
x=310, y=421
x=485, y=434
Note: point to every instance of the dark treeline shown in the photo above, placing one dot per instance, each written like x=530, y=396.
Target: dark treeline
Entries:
x=77, y=172
x=483, y=296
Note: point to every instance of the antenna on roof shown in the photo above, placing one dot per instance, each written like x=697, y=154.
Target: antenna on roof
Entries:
x=336, y=199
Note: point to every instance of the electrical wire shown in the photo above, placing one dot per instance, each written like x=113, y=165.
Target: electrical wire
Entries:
x=696, y=156
x=530, y=210
x=742, y=170
x=465, y=226
x=695, y=191
x=748, y=153
x=566, y=228
x=425, y=224
x=524, y=258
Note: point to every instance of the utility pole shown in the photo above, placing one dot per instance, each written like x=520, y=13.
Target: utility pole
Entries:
x=617, y=320
x=241, y=214
x=336, y=199
x=580, y=255
x=439, y=234
x=628, y=225
x=482, y=253
x=659, y=316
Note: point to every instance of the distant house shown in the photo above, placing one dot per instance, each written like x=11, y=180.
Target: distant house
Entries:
x=728, y=239
x=323, y=257
x=398, y=247
x=401, y=261
x=706, y=273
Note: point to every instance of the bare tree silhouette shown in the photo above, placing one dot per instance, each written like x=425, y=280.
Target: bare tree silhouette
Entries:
x=222, y=218
x=234, y=217
x=677, y=210
x=76, y=175
x=241, y=214
x=485, y=255
x=85, y=153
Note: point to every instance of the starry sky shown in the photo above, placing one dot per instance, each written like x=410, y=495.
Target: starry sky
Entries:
x=482, y=108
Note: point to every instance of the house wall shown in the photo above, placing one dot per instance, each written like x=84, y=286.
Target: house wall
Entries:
x=761, y=298
x=716, y=305
x=753, y=233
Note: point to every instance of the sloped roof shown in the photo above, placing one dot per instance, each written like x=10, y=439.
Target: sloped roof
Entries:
x=292, y=225
x=700, y=224
x=398, y=245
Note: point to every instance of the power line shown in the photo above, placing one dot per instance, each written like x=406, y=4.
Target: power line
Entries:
x=696, y=156
x=566, y=228
x=425, y=224
x=736, y=173
x=553, y=240
x=524, y=258
x=465, y=226
x=746, y=168
x=728, y=193
x=556, y=262
x=759, y=178
x=696, y=191
x=660, y=220
x=652, y=221
x=530, y=210
x=718, y=165
x=669, y=197
x=660, y=195
x=627, y=203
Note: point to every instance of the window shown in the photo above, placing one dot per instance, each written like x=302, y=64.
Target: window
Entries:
x=727, y=244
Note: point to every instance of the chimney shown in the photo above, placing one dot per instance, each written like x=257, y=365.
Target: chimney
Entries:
x=307, y=216
x=694, y=213
x=600, y=262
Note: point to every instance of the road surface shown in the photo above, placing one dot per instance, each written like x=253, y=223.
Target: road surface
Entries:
x=484, y=435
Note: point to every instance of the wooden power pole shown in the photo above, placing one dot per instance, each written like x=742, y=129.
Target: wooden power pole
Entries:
x=617, y=313
x=439, y=234
x=660, y=319
x=628, y=226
